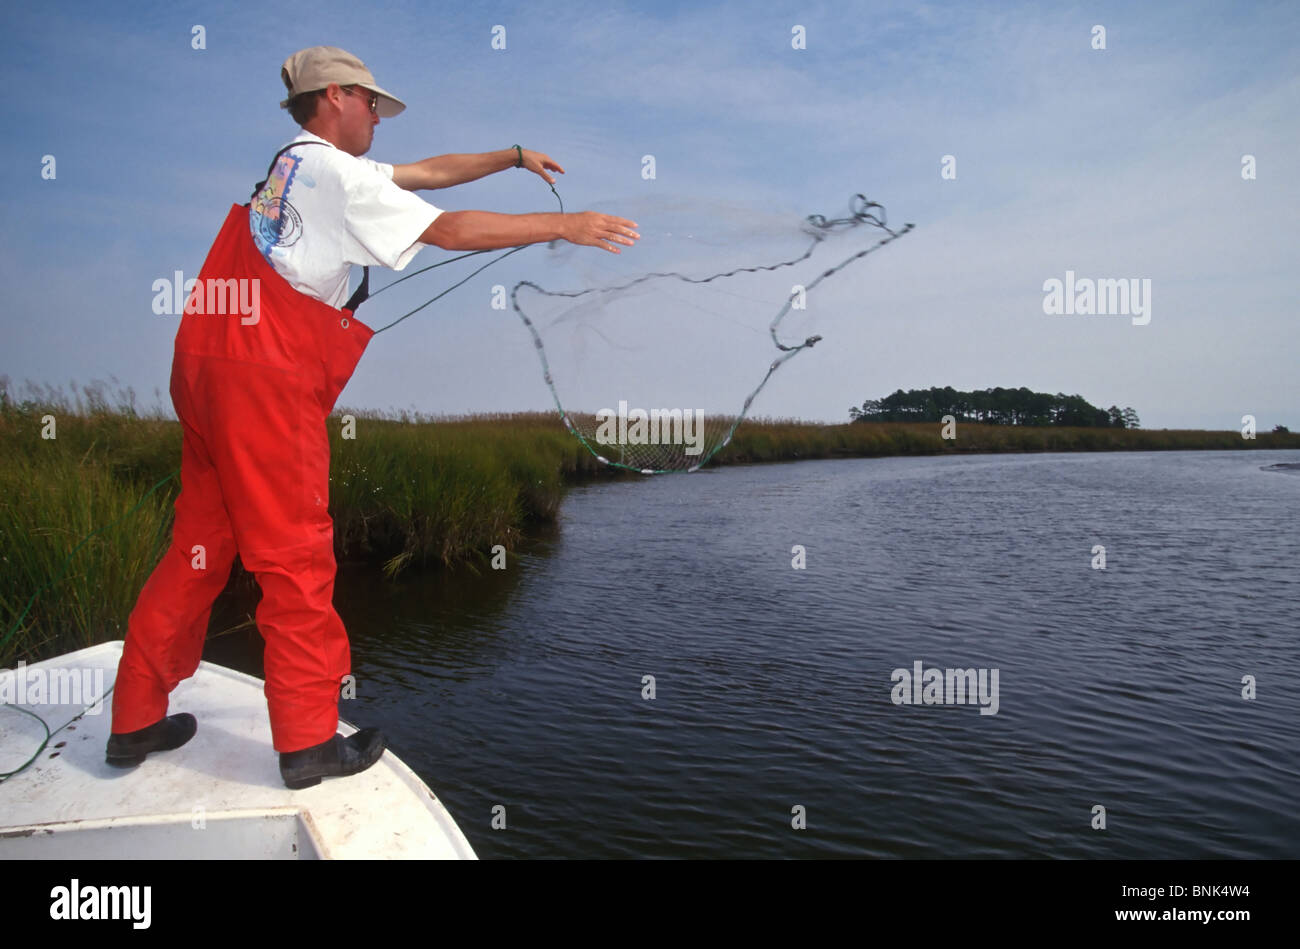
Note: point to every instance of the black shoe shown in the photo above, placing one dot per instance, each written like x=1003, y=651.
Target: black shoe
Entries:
x=334, y=758
x=129, y=749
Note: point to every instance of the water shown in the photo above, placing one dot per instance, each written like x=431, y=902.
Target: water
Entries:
x=1119, y=687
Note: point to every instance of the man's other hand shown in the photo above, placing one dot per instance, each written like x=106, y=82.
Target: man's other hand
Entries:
x=539, y=164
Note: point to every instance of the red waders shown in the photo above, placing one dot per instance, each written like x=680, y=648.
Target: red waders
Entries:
x=253, y=398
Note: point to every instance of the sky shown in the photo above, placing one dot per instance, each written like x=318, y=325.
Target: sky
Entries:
x=1018, y=149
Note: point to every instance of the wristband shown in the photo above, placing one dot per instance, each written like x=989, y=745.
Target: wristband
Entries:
x=520, y=163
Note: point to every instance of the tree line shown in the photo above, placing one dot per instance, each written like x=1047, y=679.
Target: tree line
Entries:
x=997, y=406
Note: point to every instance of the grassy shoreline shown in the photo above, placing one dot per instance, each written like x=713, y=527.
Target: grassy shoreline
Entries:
x=405, y=492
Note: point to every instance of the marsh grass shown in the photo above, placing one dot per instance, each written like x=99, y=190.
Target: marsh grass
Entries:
x=782, y=439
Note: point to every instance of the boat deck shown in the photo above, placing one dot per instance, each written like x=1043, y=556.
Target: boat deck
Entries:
x=219, y=796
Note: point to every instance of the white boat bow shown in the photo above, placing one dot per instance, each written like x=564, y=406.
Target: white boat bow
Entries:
x=219, y=796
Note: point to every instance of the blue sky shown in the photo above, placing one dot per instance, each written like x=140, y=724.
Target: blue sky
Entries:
x=1116, y=163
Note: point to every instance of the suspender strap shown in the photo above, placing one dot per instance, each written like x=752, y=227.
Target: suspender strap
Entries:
x=262, y=184
x=362, y=292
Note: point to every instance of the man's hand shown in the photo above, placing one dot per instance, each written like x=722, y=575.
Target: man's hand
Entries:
x=538, y=164
x=593, y=229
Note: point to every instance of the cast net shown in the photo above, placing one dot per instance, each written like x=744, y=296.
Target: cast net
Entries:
x=656, y=355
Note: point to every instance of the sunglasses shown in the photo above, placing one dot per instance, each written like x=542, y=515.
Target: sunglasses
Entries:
x=374, y=97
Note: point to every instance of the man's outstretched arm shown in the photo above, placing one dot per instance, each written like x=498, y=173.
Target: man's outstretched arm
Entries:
x=445, y=171
x=485, y=230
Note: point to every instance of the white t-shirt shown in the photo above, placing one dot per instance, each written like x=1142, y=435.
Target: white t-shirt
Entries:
x=323, y=210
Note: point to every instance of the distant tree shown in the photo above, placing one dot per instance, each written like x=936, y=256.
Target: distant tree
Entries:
x=947, y=401
x=1116, y=417
x=1131, y=418
x=1281, y=428
x=870, y=409
x=1076, y=411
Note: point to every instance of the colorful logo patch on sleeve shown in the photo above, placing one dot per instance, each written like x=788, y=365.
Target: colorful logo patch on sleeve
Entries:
x=272, y=219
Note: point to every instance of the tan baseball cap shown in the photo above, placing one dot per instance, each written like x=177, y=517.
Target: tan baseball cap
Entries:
x=316, y=67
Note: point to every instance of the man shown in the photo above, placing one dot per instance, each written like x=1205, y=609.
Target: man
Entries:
x=253, y=388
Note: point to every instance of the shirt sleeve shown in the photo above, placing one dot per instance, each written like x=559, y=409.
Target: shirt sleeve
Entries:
x=382, y=222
